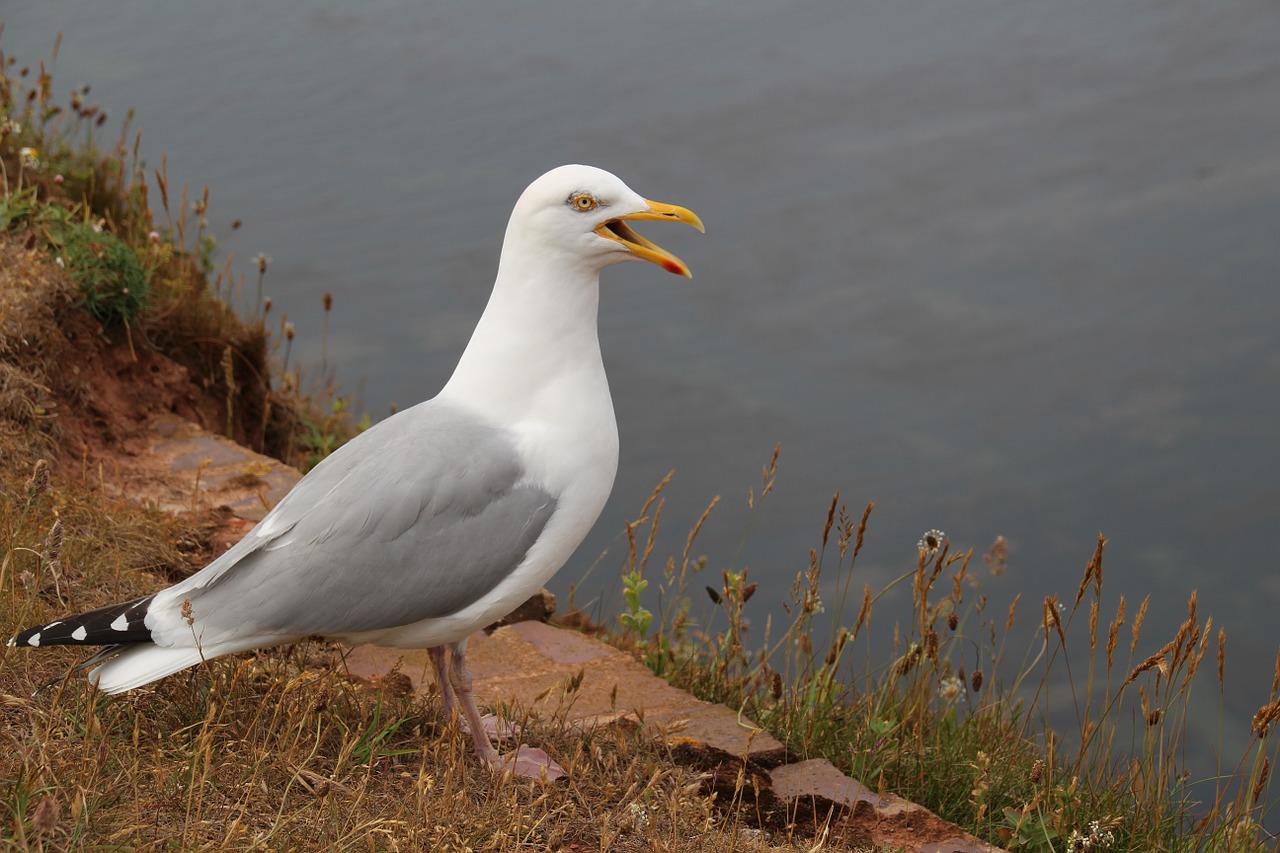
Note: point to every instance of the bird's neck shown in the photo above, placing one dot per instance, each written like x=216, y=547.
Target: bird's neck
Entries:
x=538, y=336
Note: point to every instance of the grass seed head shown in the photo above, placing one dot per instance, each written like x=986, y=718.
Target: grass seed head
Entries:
x=47, y=815
x=39, y=482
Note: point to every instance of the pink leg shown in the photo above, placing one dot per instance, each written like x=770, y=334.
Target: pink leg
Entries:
x=498, y=730
x=526, y=762
x=440, y=663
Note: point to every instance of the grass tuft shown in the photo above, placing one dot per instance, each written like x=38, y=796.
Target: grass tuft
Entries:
x=112, y=281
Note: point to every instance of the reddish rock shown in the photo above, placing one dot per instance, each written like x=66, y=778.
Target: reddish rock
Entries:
x=817, y=791
x=540, y=607
x=819, y=779
x=185, y=468
x=553, y=672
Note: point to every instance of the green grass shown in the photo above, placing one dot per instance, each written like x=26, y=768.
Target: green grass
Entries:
x=113, y=283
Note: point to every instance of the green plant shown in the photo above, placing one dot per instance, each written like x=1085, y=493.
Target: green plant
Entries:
x=1027, y=829
x=637, y=618
x=112, y=281
x=321, y=436
x=373, y=742
x=136, y=265
x=16, y=207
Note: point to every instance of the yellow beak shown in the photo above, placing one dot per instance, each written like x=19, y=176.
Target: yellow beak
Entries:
x=619, y=231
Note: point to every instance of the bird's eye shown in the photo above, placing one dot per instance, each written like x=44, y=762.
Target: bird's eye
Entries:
x=584, y=201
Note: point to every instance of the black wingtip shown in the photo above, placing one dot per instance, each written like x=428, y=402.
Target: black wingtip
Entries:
x=117, y=624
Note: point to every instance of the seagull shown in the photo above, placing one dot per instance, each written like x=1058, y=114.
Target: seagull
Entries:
x=445, y=516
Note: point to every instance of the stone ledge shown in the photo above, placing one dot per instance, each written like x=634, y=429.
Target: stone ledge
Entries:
x=532, y=664
x=184, y=467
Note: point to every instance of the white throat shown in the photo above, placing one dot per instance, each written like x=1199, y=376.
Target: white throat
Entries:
x=536, y=346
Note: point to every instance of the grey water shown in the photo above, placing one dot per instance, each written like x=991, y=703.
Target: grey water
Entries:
x=1005, y=268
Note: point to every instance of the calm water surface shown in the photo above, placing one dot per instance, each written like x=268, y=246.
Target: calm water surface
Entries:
x=1005, y=268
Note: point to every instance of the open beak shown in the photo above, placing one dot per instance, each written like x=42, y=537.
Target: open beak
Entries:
x=619, y=231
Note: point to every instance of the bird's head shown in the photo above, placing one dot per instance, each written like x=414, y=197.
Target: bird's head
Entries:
x=583, y=212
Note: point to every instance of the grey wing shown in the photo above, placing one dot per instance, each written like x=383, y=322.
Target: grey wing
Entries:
x=416, y=518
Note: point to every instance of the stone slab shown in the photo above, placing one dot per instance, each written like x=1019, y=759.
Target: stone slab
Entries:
x=819, y=777
x=818, y=786
x=533, y=665
x=190, y=468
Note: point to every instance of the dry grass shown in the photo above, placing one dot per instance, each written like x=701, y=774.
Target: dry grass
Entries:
x=32, y=297
x=274, y=751
x=278, y=750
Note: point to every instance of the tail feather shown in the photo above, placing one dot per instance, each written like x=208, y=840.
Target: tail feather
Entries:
x=129, y=657
x=114, y=625
x=135, y=666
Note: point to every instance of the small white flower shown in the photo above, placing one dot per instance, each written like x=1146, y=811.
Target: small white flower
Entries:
x=931, y=541
x=30, y=158
x=154, y=236
x=950, y=688
x=1098, y=838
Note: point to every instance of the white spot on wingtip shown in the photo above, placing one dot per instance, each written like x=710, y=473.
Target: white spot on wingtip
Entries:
x=35, y=639
x=121, y=623
x=80, y=633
